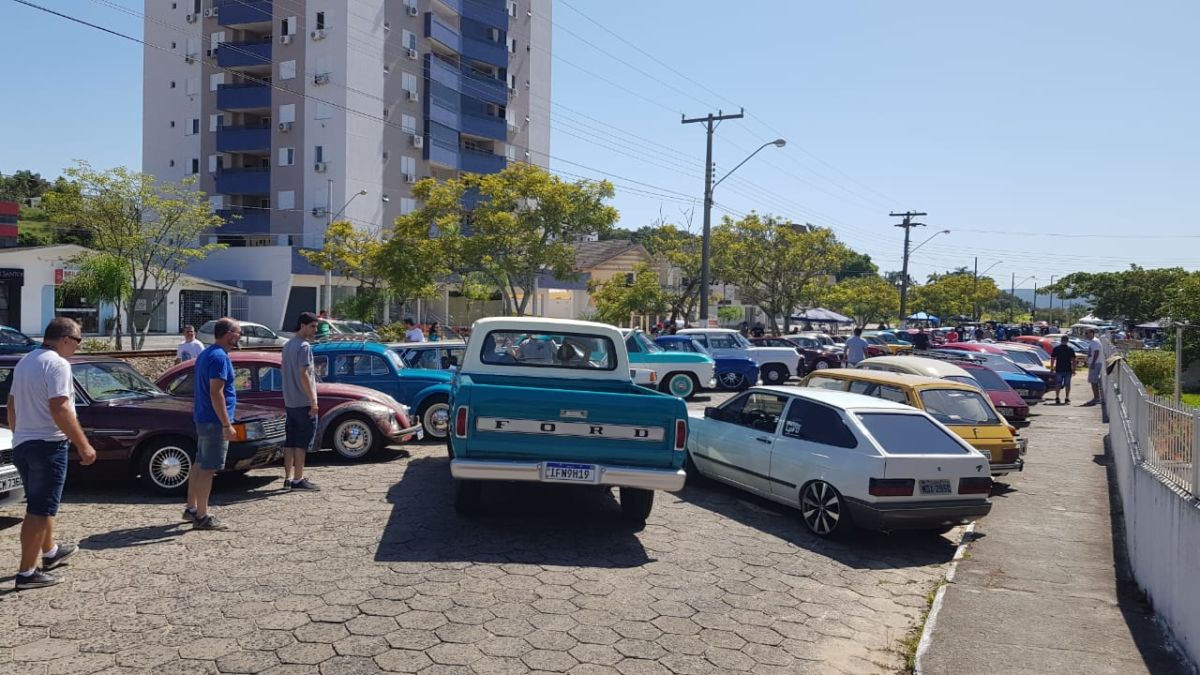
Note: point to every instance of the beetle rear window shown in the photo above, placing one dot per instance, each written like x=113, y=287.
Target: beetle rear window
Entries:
x=549, y=350
x=909, y=434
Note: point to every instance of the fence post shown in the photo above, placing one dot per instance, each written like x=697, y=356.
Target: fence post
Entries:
x=1194, y=455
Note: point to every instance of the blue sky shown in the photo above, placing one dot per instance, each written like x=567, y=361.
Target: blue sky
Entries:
x=1007, y=122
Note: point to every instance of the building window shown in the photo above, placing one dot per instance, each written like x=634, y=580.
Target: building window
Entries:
x=193, y=86
x=408, y=82
x=172, y=84
x=215, y=80
x=319, y=153
x=320, y=21
x=512, y=7
x=287, y=200
x=408, y=166
x=408, y=124
x=172, y=45
x=407, y=205
x=172, y=124
x=512, y=45
x=287, y=112
x=195, y=165
x=287, y=156
x=323, y=111
x=287, y=70
x=408, y=39
x=171, y=163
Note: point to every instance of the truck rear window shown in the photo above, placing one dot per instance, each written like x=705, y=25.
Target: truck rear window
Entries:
x=548, y=350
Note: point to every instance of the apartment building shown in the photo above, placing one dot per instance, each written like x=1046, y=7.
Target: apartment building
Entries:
x=294, y=112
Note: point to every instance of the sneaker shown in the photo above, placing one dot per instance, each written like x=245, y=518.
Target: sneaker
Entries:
x=64, y=551
x=189, y=515
x=287, y=484
x=1058, y=402
x=1068, y=401
x=38, y=579
x=209, y=522
x=305, y=484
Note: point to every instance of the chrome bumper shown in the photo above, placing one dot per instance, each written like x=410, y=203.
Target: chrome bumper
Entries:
x=1005, y=469
x=414, y=429
x=668, y=480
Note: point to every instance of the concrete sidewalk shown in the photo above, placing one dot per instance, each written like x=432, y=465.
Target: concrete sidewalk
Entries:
x=1042, y=589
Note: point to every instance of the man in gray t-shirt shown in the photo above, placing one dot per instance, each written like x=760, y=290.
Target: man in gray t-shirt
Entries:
x=300, y=400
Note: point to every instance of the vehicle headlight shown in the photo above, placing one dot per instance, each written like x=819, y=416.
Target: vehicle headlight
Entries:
x=254, y=431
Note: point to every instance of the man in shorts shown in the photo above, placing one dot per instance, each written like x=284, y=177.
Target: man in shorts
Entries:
x=41, y=414
x=1095, y=361
x=212, y=410
x=1063, y=362
x=300, y=400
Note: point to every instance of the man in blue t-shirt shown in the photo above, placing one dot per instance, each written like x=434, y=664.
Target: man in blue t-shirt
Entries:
x=212, y=410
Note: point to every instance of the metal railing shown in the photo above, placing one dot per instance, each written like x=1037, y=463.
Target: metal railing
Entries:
x=1165, y=436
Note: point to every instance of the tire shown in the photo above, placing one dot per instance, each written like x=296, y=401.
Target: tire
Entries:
x=354, y=437
x=468, y=495
x=694, y=476
x=435, y=418
x=732, y=381
x=822, y=364
x=680, y=385
x=165, y=464
x=636, y=504
x=823, y=510
x=773, y=374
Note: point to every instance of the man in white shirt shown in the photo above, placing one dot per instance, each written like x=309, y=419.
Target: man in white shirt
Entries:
x=41, y=414
x=1095, y=361
x=190, y=348
x=855, y=348
x=412, y=333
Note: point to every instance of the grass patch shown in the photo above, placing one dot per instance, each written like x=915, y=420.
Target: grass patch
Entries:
x=908, y=646
x=1192, y=400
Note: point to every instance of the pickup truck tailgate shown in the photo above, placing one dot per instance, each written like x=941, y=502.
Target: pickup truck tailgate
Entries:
x=565, y=420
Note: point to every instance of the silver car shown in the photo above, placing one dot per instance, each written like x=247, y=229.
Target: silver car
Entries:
x=253, y=335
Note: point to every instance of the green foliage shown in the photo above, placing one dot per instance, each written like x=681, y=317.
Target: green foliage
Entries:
x=96, y=345
x=22, y=184
x=857, y=265
x=728, y=314
x=952, y=295
x=864, y=298
x=682, y=250
x=410, y=261
x=1155, y=368
x=364, y=305
x=1183, y=305
x=1136, y=294
x=616, y=299
x=393, y=332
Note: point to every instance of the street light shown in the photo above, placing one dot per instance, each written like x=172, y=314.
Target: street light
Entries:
x=935, y=234
x=975, y=288
x=1013, y=292
x=706, y=237
x=330, y=215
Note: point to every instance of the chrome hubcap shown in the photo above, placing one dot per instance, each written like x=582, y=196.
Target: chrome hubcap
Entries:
x=681, y=386
x=821, y=508
x=437, y=419
x=821, y=365
x=170, y=466
x=353, y=438
x=731, y=380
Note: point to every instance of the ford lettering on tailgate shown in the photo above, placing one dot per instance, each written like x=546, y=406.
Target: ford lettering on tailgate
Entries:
x=622, y=432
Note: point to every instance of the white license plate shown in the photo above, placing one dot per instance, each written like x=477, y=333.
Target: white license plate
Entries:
x=10, y=483
x=987, y=454
x=939, y=486
x=565, y=472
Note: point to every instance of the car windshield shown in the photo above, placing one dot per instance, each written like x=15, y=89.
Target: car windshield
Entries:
x=647, y=345
x=988, y=378
x=908, y=434
x=740, y=340
x=694, y=346
x=998, y=362
x=1021, y=356
x=109, y=381
x=9, y=336
x=954, y=406
x=963, y=379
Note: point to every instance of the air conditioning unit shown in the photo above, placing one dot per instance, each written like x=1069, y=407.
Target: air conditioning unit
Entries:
x=387, y=26
x=190, y=18
x=285, y=126
x=285, y=39
x=412, y=10
x=320, y=167
x=386, y=69
x=412, y=54
x=321, y=78
x=414, y=96
x=318, y=34
x=319, y=211
x=189, y=59
x=410, y=178
x=385, y=155
x=210, y=52
x=210, y=12
x=418, y=141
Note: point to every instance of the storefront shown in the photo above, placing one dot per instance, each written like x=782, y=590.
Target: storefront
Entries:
x=11, y=281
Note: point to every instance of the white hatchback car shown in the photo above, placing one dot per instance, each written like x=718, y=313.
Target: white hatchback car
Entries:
x=842, y=459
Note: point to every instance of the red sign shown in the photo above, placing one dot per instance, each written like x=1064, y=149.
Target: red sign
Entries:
x=61, y=275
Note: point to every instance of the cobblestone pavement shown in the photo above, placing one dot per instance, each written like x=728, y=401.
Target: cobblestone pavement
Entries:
x=376, y=573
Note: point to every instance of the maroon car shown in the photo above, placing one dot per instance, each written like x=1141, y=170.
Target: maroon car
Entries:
x=816, y=354
x=138, y=430
x=1005, y=398
x=355, y=421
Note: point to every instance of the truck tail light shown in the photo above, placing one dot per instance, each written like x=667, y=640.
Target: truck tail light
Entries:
x=460, y=422
x=892, y=487
x=680, y=435
x=974, y=486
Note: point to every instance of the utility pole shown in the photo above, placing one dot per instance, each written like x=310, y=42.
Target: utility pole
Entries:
x=975, y=293
x=908, y=224
x=1012, y=300
x=709, y=121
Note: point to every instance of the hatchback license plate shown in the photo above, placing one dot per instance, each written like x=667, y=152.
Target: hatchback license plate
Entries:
x=565, y=472
x=939, y=486
x=10, y=483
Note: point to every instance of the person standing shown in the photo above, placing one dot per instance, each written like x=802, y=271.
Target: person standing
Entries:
x=411, y=332
x=1063, y=362
x=190, y=348
x=856, y=348
x=921, y=340
x=435, y=331
x=41, y=414
x=952, y=336
x=300, y=401
x=1095, y=363
x=212, y=410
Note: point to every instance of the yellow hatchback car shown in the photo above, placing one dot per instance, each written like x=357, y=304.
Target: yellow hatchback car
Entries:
x=964, y=409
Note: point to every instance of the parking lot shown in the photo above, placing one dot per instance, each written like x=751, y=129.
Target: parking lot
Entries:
x=377, y=573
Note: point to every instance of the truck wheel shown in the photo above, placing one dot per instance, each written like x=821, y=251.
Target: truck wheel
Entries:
x=732, y=381
x=467, y=496
x=636, y=504
x=774, y=374
x=355, y=437
x=165, y=464
x=680, y=385
x=822, y=364
x=435, y=417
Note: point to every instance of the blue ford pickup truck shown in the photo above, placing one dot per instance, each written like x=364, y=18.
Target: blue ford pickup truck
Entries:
x=548, y=400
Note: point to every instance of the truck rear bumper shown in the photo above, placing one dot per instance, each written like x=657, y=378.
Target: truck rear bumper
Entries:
x=669, y=480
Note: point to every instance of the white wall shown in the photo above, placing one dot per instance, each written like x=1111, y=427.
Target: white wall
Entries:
x=160, y=104
x=539, y=79
x=260, y=263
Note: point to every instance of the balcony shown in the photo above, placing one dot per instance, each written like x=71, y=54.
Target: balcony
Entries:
x=455, y=6
x=491, y=13
x=243, y=97
x=244, y=54
x=485, y=51
x=253, y=181
x=484, y=126
x=442, y=72
x=481, y=162
x=244, y=139
x=484, y=87
x=243, y=13
x=446, y=157
x=445, y=113
x=435, y=29
x=245, y=221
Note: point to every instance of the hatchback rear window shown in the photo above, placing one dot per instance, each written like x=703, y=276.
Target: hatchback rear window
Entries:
x=559, y=350
x=908, y=434
x=954, y=406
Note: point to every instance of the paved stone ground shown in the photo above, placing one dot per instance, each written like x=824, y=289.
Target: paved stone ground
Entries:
x=376, y=573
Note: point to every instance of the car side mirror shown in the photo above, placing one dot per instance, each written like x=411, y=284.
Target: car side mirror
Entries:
x=713, y=412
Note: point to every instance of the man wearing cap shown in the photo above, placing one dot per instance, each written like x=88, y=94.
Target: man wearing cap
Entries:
x=300, y=400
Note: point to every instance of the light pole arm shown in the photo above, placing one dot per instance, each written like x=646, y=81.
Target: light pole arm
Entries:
x=777, y=143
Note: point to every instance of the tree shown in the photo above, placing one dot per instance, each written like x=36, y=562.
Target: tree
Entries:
x=1183, y=306
x=131, y=216
x=864, y=298
x=953, y=295
x=353, y=253
x=22, y=185
x=857, y=265
x=680, y=249
x=476, y=288
x=624, y=295
x=524, y=222
x=777, y=266
x=107, y=279
x=1136, y=294
x=411, y=261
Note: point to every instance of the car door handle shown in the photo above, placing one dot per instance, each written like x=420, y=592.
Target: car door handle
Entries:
x=763, y=439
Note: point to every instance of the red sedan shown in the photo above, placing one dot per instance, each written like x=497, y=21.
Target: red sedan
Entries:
x=355, y=421
x=974, y=347
x=1005, y=398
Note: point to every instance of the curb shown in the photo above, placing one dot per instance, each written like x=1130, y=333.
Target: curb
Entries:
x=931, y=620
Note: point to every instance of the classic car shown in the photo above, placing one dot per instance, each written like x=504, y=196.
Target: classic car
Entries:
x=1006, y=399
x=439, y=355
x=550, y=400
x=894, y=344
x=961, y=407
x=680, y=374
x=11, y=490
x=776, y=364
x=817, y=356
x=355, y=421
x=842, y=459
x=919, y=365
x=375, y=366
x=253, y=335
x=139, y=430
x=1030, y=387
x=733, y=374
x=1030, y=359
x=13, y=341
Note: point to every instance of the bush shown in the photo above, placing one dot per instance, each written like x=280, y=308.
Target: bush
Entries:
x=1155, y=368
x=96, y=345
x=393, y=332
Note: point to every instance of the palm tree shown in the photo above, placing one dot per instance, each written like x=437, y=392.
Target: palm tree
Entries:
x=106, y=278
